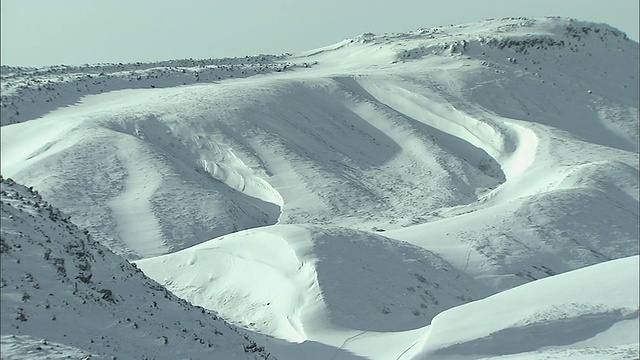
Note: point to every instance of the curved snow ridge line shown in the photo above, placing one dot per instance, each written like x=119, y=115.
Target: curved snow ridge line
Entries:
x=215, y=157
x=537, y=165
x=225, y=166
x=524, y=155
x=243, y=181
x=309, y=301
x=482, y=136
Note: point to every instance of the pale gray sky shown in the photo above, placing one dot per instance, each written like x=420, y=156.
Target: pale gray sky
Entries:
x=74, y=32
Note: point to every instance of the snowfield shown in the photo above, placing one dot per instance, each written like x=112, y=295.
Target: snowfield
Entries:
x=460, y=192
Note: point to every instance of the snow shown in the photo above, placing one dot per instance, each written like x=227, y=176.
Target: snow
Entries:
x=565, y=310
x=443, y=193
x=25, y=346
x=308, y=280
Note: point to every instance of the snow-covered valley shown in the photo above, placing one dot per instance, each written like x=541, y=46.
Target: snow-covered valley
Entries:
x=459, y=192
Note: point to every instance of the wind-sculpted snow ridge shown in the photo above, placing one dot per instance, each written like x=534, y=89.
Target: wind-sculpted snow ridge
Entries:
x=63, y=295
x=308, y=280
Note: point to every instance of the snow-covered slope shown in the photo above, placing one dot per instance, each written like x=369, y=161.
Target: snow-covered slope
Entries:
x=28, y=93
x=300, y=282
x=505, y=151
x=586, y=313
x=63, y=295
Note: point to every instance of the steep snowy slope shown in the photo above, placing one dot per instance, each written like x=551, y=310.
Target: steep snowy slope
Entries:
x=63, y=295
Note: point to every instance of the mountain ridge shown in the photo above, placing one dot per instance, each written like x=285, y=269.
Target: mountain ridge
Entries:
x=98, y=78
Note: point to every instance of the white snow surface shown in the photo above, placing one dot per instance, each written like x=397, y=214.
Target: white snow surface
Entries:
x=582, y=309
x=307, y=280
x=358, y=200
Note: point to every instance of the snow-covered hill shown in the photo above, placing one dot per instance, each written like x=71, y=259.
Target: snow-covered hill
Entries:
x=64, y=295
x=587, y=313
x=310, y=200
x=28, y=93
x=334, y=279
